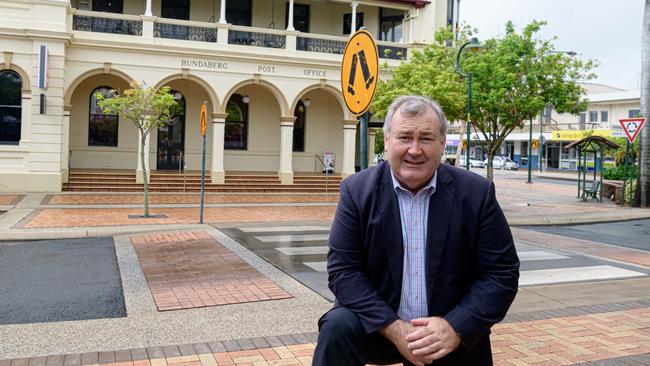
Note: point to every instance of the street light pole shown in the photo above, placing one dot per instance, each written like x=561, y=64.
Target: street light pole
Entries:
x=472, y=45
x=530, y=150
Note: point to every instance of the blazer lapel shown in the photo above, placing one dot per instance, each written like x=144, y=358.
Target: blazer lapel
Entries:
x=440, y=207
x=391, y=227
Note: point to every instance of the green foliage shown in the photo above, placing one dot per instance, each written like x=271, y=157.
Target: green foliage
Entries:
x=618, y=172
x=147, y=109
x=619, y=154
x=379, y=141
x=513, y=77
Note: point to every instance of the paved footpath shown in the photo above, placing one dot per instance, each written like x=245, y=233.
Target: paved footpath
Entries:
x=196, y=297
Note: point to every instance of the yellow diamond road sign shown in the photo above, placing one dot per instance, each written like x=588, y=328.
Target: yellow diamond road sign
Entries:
x=204, y=117
x=359, y=72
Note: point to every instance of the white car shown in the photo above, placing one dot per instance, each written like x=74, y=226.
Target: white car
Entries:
x=499, y=162
x=473, y=163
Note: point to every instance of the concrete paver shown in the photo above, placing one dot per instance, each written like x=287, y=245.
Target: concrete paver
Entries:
x=606, y=322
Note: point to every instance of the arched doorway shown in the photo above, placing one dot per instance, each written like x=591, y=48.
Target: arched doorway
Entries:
x=171, y=138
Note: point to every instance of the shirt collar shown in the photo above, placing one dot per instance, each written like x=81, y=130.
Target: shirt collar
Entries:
x=430, y=186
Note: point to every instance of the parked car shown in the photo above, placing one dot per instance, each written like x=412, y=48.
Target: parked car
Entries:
x=500, y=162
x=473, y=163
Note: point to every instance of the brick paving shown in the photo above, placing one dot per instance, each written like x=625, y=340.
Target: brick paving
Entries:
x=583, y=246
x=87, y=217
x=187, y=270
x=611, y=338
x=8, y=199
x=120, y=199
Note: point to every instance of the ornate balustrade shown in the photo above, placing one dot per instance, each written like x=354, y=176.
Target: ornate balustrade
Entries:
x=240, y=36
x=185, y=32
x=320, y=45
x=94, y=23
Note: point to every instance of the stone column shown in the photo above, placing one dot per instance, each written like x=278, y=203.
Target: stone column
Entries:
x=222, y=15
x=349, y=140
x=217, y=172
x=65, y=143
x=147, y=11
x=26, y=120
x=290, y=18
x=138, y=170
x=286, y=150
x=372, y=134
x=353, y=24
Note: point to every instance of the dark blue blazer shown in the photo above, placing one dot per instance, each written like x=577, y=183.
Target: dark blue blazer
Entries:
x=472, y=268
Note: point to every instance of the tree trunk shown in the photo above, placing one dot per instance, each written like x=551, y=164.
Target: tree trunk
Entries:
x=643, y=177
x=490, y=167
x=143, y=144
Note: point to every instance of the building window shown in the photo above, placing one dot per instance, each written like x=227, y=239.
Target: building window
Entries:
x=300, y=17
x=604, y=116
x=102, y=128
x=109, y=6
x=633, y=113
x=175, y=9
x=347, y=22
x=239, y=12
x=299, y=127
x=10, y=107
x=390, y=25
x=593, y=116
x=582, y=119
x=236, y=134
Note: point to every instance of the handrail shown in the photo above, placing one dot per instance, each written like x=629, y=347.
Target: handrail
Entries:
x=69, y=156
x=181, y=166
x=327, y=171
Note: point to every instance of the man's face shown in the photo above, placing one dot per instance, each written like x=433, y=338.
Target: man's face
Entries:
x=414, y=147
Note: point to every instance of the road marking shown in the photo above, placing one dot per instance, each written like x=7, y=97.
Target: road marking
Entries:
x=538, y=255
x=560, y=275
x=291, y=238
x=303, y=250
x=261, y=229
x=317, y=266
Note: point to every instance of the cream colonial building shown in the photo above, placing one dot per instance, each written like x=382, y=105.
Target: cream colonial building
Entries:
x=271, y=81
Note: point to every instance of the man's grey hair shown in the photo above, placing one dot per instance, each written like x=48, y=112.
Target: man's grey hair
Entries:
x=413, y=106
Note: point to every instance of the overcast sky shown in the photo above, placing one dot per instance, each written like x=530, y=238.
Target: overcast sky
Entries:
x=608, y=31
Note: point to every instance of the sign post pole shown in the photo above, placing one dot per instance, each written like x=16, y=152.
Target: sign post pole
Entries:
x=203, y=128
x=363, y=138
x=631, y=127
x=627, y=149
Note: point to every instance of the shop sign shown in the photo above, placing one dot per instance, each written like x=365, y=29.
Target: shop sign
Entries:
x=578, y=135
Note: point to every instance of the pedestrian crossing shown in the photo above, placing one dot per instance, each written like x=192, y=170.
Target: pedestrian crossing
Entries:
x=301, y=251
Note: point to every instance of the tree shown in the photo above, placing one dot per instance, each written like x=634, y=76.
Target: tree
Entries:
x=643, y=178
x=512, y=80
x=147, y=109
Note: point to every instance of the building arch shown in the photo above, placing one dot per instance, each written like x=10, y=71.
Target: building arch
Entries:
x=275, y=91
x=26, y=87
x=336, y=93
x=98, y=71
x=212, y=95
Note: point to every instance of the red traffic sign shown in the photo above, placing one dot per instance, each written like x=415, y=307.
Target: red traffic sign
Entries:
x=631, y=127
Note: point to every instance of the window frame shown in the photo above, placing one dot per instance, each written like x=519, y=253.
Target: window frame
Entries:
x=295, y=22
x=176, y=14
x=90, y=121
x=239, y=10
x=604, y=116
x=101, y=5
x=395, y=20
x=17, y=106
x=632, y=113
x=593, y=116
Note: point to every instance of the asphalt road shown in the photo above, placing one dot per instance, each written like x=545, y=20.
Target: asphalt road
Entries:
x=57, y=280
x=631, y=234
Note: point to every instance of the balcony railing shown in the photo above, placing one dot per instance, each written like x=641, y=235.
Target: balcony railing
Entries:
x=248, y=36
x=221, y=34
x=107, y=23
x=184, y=31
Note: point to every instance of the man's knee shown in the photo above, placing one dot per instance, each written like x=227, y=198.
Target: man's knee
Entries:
x=340, y=323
